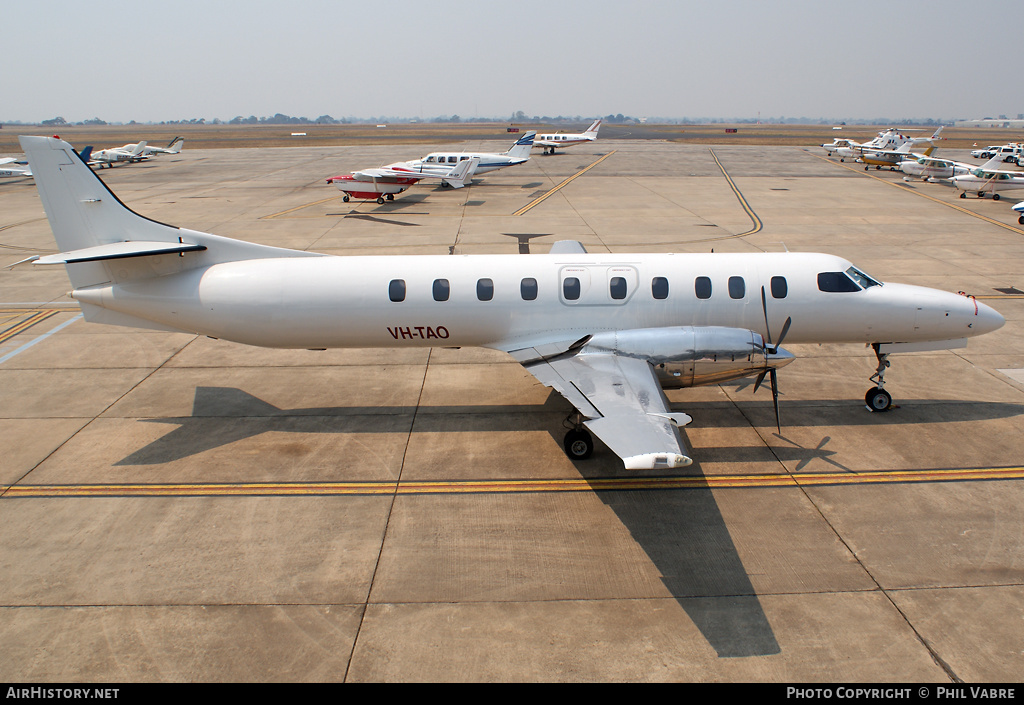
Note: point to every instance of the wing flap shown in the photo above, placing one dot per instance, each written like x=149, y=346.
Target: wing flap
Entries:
x=624, y=406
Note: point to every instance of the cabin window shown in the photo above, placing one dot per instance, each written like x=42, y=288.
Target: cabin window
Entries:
x=836, y=282
x=571, y=288
x=617, y=288
x=528, y=289
x=463, y=159
x=442, y=290
x=737, y=288
x=396, y=290
x=429, y=160
x=453, y=160
x=702, y=287
x=484, y=289
x=659, y=288
x=779, y=287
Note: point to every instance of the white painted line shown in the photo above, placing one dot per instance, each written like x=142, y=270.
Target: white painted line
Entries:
x=44, y=336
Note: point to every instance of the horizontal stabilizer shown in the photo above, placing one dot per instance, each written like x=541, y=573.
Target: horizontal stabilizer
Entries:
x=119, y=250
x=568, y=247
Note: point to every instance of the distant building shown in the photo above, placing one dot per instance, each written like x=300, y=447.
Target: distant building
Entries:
x=991, y=122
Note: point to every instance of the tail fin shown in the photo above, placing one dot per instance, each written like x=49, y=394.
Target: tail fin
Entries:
x=138, y=148
x=175, y=146
x=86, y=154
x=463, y=172
x=593, y=128
x=993, y=164
x=521, y=149
x=86, y=215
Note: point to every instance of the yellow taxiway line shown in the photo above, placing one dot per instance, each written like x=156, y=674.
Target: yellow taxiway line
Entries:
x=540, y=199
x=743, y=201
x=35, y=318
x=297, y=489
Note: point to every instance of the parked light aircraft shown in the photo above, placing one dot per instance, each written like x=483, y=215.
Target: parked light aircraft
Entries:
x=982, y=180
x=888, y=140
x=607, y=331
x=559, y=139
x=518, y=153
x=10, y=166
x=838, y=142
x=173, y=147
x=927, y=168
x=384, y=182
x=117, y=155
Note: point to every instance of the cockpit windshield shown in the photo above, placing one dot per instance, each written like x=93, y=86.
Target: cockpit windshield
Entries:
x=861, y=278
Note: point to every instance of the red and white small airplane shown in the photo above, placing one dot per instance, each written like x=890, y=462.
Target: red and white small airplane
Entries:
x=384, y=182
x=559, y=139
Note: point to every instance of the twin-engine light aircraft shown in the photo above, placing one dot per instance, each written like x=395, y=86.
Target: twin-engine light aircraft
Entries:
x=607, y=331
x=173, y=147
x=559, y=139
x=10, y=166
x=386, y=181
x=518, y=153
x=118, y=155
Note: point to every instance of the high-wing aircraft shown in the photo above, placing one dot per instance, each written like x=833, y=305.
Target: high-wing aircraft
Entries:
x=560, y=139
x=984, y=179
x=173, y=147
x=927, y=168
x=384, y=182
x=607, y=331
x=118, y=155
x=518, y=153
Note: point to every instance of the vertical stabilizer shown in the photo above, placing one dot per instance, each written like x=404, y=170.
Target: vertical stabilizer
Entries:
x=82, y=211
x=521, y=149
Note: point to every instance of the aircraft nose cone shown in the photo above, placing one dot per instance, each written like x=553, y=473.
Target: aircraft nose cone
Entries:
x=988, y=319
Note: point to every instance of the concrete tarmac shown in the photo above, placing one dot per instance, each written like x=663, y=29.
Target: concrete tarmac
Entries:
x=177, y=508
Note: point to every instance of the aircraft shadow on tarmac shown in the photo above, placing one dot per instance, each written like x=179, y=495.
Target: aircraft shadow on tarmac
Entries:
x=683, y=533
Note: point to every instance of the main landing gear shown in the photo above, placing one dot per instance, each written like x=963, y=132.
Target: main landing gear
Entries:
x=877, y=398
x=578, y=443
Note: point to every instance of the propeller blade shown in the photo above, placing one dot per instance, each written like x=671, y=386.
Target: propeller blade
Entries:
x=760, y=378
x=764, y=308
x=775, y=399
x=782, y=336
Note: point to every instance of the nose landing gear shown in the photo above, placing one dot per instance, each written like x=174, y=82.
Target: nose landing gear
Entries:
x=877, y=398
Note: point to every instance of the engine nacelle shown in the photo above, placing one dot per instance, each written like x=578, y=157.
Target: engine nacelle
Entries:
x=691, y=356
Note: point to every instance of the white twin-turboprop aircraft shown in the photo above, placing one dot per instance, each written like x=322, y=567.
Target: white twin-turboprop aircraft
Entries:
x=518, y=153
x=563, y=139
x=608, y=331
x=118, y=155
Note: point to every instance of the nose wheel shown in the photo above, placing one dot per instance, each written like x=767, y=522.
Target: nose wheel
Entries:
x=877, y=399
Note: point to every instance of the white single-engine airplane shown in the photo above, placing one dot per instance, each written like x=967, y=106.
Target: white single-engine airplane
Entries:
x=518, y=153
x=118, y=155
x=927, y=168
x=559, y=139
x=607, y=331
x=984, y=179
x=384, y=182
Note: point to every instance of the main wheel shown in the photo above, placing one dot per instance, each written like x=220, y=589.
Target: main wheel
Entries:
x=963, y=194
x=578, y=445
x=346, y=199
x=995, y=196
x=878, y=399
x=380, y=200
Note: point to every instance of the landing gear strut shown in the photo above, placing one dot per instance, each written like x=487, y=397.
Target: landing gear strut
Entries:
x=877, y=398
x=578, y=443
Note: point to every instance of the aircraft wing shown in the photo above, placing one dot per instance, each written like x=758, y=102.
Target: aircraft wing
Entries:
x=622, y=400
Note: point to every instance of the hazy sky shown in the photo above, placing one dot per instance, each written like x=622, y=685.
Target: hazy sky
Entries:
x=123, y=60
